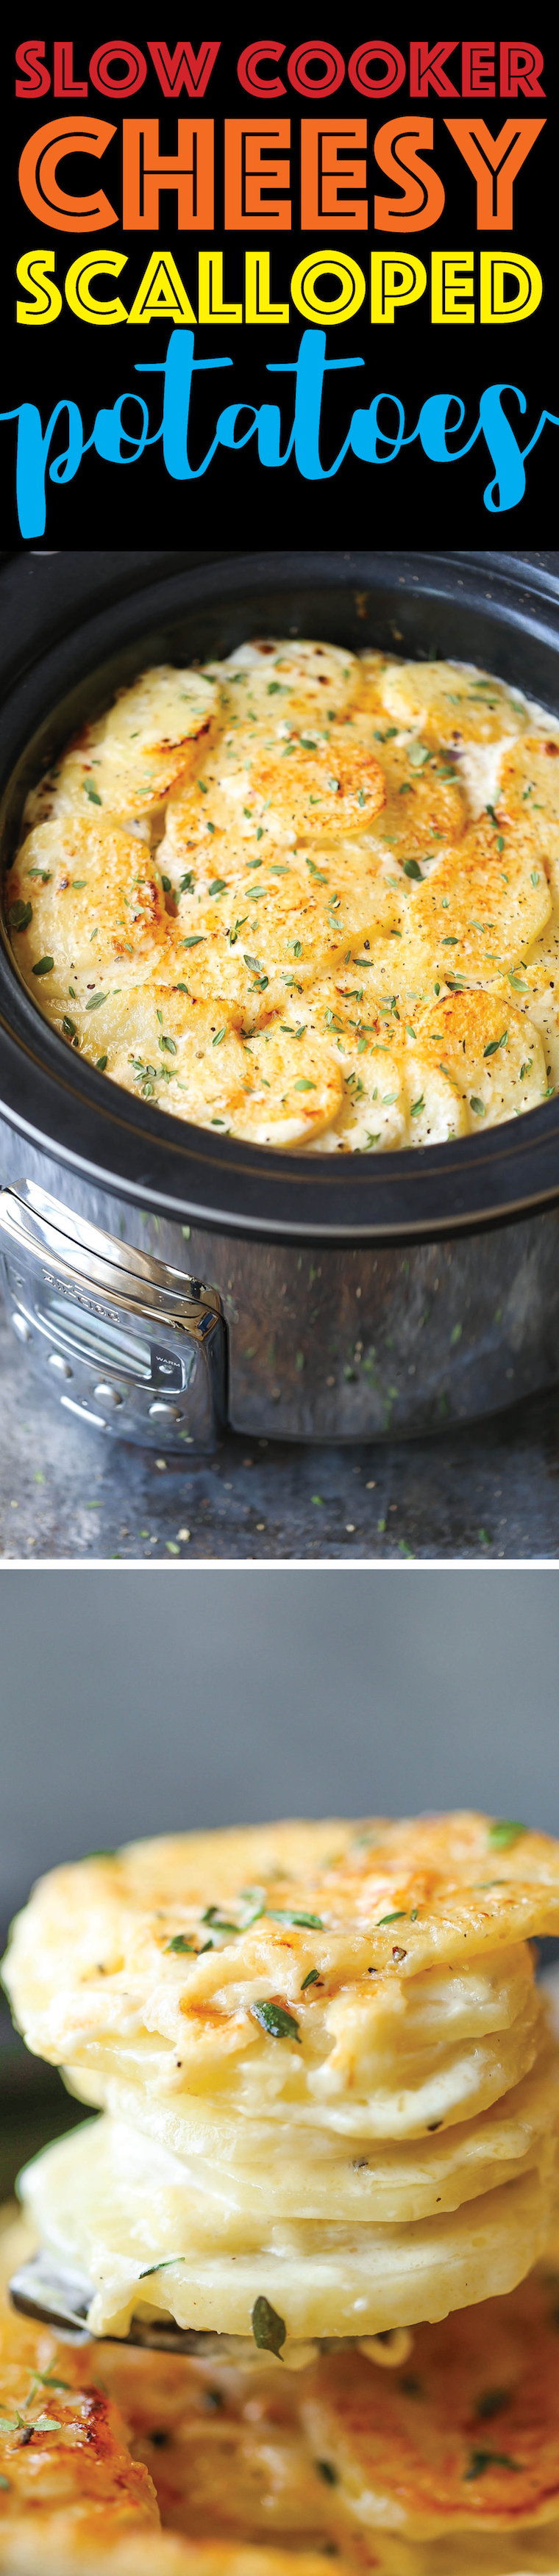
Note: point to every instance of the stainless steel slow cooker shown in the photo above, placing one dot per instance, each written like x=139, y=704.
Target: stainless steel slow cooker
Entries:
x=165, y=1280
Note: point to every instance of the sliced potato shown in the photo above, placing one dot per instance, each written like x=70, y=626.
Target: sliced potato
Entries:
x=478, y=913
x=260, y=953
x=188, y=1057
x=355, y=2029
x=97, y=912
x=292, y=1088
x=303, y=787
x=278, y=676
x=456, y=702
x=320, y=817
x=468, y=2439
x=126, y=762
x=276, y=2168
x=485, y=1053
x=123, y=2210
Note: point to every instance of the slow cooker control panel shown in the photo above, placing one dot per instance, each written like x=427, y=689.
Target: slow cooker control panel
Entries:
x=129, y=1344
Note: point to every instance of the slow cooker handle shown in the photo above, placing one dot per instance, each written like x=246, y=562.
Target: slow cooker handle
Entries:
x=143, y=1343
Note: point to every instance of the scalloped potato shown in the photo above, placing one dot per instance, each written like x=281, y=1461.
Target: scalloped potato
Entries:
x=295, y=816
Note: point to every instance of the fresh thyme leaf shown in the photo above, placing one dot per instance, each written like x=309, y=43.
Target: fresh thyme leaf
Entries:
x=309, y=1922
x=218, y=885
x=493, y=2402
x=477, y=1105
x=69, y=1025
x=166, y=884
x=411, y=868
x=161, y=2267
x=503, y=1833
x=44, y=966
x=268, y=2328
x=91, y=792
x=399, y=1917
x=100, y=1062
x=19, y=916
x=169, y=1045
x=180, y=1943
x=417, y=1106
x=196, y=940
x=482, y=2460
x=274, y=2018
x=47, y=2423
x=310, y=1980
x=186, y=883
x=96, y=999
x=303, y=1084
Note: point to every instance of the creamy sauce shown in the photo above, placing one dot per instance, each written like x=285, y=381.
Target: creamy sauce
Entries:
x=304, y=897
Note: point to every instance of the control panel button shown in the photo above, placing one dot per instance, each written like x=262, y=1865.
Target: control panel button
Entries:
x=165, y=1412
x=62, y=1366
x=21, y=1327
x=107, y=1394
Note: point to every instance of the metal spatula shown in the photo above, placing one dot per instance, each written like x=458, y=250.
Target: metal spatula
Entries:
x=61, y=2297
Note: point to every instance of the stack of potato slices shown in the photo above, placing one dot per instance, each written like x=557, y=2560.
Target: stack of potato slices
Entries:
x=329, y=2098
x=328, y=887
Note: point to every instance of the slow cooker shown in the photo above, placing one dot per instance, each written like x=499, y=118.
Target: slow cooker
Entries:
x=168, y=1281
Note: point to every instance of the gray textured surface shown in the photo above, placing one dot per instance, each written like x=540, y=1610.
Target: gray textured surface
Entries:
x=489, y=1492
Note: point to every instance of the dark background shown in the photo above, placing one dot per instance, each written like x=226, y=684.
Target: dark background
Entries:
x=411, y=500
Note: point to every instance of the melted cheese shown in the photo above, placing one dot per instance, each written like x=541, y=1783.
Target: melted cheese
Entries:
x=254, y=848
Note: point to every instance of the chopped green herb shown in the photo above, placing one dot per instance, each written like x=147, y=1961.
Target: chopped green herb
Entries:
x=493, y=2402
x=218, y=885
x=417, y=1106
x=274, y=2018
x=303, y=1084
x=218, y=1921
x=410, y=866
x=160, y=2267
x=69, y=1025
x=180, y=1943
x=168, y=1044
x=20, y=915
x=477, y=1105
x=196, y=940
x=96, y=1000
x=482, y=2460
x=100, y=1062
x=503, y=1833
x=309, y=1922
x=325, y=2470
x=399, y=1917
x=310, y=1980
x=91, y=792
x=268, y=2328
